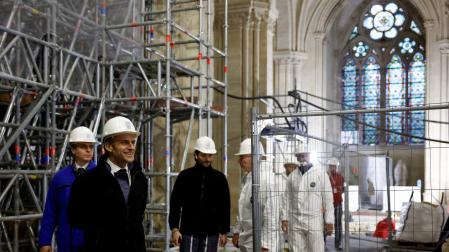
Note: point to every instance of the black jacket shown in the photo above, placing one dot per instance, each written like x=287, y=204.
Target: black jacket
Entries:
x=97, y=206
x=203, y=195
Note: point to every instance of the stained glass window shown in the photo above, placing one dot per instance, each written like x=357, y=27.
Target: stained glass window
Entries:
x=395, y=93
x=349, y=94
x=371, y=99
x=415, y=28
x=360, y=50
x=384, y=66
x=407, y=45
x=354, y=32
x=416, y=93
x=384, y=21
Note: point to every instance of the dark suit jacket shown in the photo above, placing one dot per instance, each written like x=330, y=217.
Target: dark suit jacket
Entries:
x=97, y=207
x=200, y=201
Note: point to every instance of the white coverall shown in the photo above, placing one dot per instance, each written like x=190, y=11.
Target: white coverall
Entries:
x=270, y=201
x=283, y=206
x=309, y=199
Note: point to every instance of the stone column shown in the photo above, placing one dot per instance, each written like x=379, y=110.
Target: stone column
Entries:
x=263, y=48
x=437, y=91
x=320, y=89
x=250, y=66
x=436, y=172
x=287, y=73
x=250, y=62
x=287, y=67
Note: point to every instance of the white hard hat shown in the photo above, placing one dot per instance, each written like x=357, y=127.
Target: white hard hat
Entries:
x=290, y=159
x=119, y=125
x=82, y=135
x=333, y=161
x=301, y=150
x=205, y=145
x=245, y=148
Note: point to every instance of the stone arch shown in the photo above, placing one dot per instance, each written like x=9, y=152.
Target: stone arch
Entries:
x=427, y=10
x=322, y=14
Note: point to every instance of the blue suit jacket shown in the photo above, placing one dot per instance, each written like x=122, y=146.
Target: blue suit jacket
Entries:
x=69, y=239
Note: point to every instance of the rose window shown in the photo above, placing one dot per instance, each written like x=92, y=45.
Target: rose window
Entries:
x=384, y=21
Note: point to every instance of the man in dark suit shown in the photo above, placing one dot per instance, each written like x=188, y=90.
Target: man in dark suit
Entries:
x=200, y=203
x=108, y=203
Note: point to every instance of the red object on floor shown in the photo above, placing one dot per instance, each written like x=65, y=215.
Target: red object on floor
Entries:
x=382, y=229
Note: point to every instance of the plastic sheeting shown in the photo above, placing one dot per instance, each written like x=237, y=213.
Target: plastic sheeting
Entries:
x=421, y=222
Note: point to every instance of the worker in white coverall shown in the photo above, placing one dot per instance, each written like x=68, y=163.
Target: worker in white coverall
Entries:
x=310, y=207
x=269, y=201
x=290, y=165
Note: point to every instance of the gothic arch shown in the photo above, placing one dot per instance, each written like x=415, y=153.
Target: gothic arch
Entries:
x=318, y=16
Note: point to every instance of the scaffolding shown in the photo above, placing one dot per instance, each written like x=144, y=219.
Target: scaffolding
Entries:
x=372, y=194
x=74, y=63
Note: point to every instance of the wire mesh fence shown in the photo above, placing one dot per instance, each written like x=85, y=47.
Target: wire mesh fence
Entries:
x=315, y=192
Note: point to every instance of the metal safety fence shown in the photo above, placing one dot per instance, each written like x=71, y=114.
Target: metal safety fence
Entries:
x=312, y=189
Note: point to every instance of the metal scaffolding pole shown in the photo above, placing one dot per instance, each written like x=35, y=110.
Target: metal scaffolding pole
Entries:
x=168, y=150
x=257, y=207
x=225, y=95
x=356, y=111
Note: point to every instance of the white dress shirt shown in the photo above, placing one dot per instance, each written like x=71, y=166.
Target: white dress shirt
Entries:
x=115, y=168
x=77, y=166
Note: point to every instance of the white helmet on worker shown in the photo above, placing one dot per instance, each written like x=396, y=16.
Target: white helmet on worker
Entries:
x=290, y=159
x=82, y=135
x=205, y=145
x=333, y=161
x=301, y=150
x=245, y=148
x=119, y=125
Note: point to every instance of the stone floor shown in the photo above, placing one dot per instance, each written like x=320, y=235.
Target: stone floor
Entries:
x=361, y=227
x=360, y=243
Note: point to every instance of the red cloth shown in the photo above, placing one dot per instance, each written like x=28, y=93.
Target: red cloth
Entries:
x=382, y=229
x=337, y=182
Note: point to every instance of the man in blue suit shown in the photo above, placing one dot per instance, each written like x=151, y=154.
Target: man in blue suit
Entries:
x=68, y=239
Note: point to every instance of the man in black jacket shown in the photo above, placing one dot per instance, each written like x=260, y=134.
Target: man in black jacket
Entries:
x=108, y=202
x=200, y=203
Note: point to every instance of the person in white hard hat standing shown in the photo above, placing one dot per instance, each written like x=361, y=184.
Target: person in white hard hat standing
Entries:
x=82, y=142
x=337, y=183
x=309, y=198
x=290, y=164
x=200, y=203
x=108, y=203
x=269, y=200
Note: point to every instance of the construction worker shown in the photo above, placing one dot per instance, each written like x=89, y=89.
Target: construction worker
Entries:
x=337, y=183
x=290, y=164
x=269, y=201
x=108, y=202
x=200, y=203
x=82, y=142
x=309, y=197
